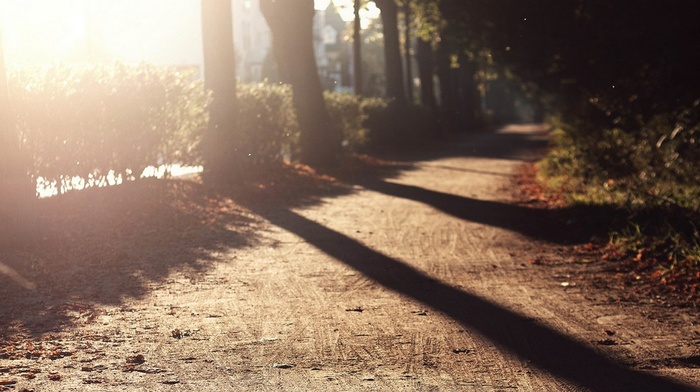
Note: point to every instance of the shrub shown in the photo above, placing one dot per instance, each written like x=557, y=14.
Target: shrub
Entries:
x=654, y=163
x=102, y=124
x=269, y=131
x=649, y=173
x=347, y=111
x=90, y=121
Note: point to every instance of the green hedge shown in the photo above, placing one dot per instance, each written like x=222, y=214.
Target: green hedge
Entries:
x=87, y=122
x=347, y=111
x=103, y=124
x=269, y=131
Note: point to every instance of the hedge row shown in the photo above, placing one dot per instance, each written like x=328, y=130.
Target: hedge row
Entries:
x=98, y=123
x=88, y=122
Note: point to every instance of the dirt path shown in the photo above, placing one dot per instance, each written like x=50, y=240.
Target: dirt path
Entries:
x=420, y=282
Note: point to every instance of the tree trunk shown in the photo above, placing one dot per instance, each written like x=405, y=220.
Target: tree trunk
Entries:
x=16, y=188
x=392, y=52
x=407, y=50
x=448, y=90
x=291, y=24
x=426, y=67
x=357, y=50
x=224, y=159
x=470, y=99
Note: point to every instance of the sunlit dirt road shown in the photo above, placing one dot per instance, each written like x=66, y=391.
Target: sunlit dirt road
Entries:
x=419, y=281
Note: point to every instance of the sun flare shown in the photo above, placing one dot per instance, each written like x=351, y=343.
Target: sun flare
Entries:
x=38, y=32
x=163, y=32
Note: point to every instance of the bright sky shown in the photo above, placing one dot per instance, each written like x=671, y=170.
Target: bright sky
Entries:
x=157, y=31
x=346, y=10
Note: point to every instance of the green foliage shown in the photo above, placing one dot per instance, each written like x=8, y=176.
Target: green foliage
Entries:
x=101, y=124
x=268, y=132
x=657, y=164
x=650, y=174
x=86, y=122
x=347, y=112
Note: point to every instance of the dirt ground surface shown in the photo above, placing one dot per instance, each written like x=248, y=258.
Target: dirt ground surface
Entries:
x=422, y=276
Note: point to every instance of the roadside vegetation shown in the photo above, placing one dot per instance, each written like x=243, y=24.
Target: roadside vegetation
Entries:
x=649, y=179
x=98, y=125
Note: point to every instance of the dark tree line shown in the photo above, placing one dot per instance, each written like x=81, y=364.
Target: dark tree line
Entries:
x=614, y=62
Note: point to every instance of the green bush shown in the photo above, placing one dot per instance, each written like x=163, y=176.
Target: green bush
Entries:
x=269, y=131
x=654, y=163
x=348, y=112
x=90, y=121
x=103, y=124
x=648, y=173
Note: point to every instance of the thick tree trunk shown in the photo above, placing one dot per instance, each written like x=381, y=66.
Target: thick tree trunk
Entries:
x=426, y=67
x=357, y=50
x=16, y=189
x=291, y=24
x=392, y=52
x=224, y=159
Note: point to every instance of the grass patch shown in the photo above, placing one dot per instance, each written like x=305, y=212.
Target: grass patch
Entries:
x=654, y=189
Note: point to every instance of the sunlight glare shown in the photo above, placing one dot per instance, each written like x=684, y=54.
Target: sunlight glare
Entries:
x=321, y=5
x=40, y=32
x=16, y=277
x=163, y=32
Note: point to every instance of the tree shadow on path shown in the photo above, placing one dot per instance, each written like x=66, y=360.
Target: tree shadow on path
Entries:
x=104, y=246
x=529, y=340
x=563, y=225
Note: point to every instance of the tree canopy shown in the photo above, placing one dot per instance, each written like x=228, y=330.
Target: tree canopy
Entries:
x=623, y=59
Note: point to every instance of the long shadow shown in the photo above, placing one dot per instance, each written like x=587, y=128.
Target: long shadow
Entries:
x=466, y=170
x=515, y=142
x=563, y=226
x=528, y=339
x=106, y=245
